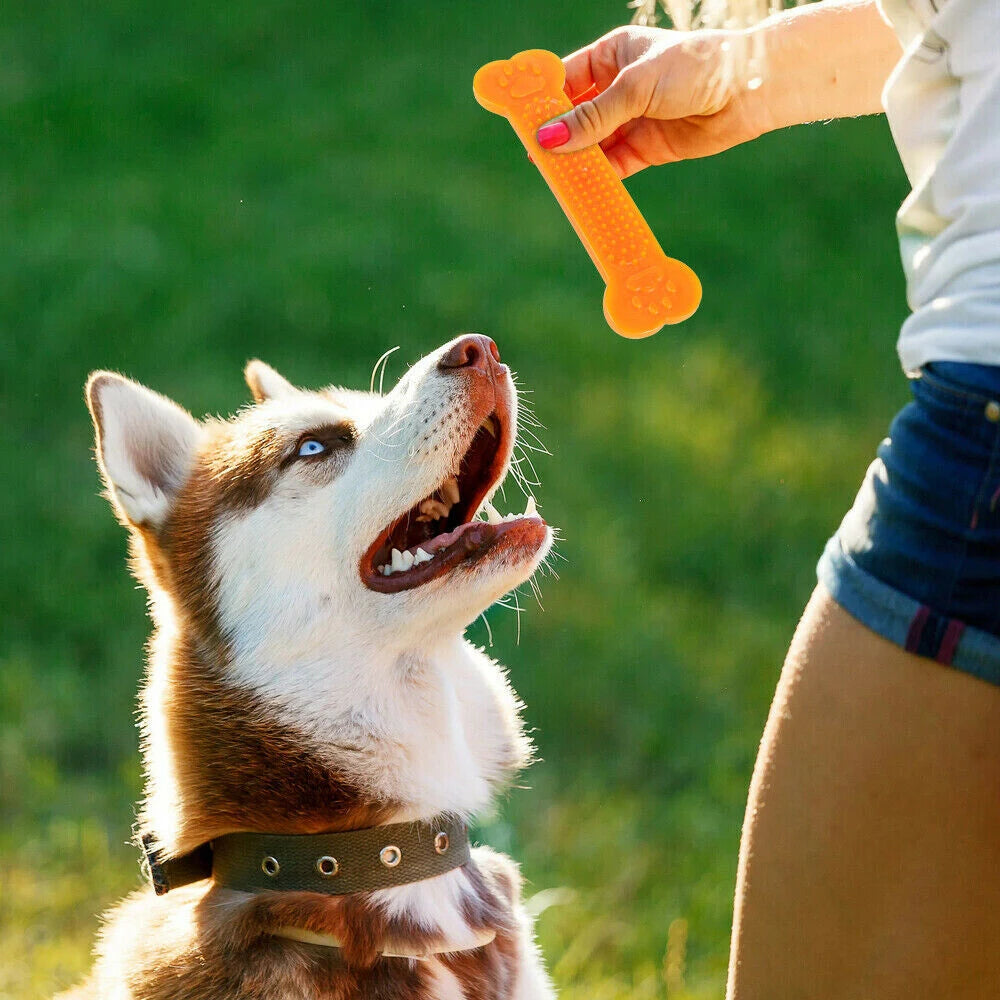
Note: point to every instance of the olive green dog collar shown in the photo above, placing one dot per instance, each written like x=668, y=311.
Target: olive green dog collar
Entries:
x=335, y=864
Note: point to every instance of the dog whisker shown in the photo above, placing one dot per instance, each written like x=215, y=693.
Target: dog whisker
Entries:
x=383, y=361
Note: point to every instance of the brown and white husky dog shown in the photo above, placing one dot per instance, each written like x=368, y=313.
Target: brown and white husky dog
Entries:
x=304, y=678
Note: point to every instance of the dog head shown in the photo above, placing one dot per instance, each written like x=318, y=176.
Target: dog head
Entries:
x=326, y=521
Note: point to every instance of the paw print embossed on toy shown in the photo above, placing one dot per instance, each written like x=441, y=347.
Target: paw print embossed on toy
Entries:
x=646, y=289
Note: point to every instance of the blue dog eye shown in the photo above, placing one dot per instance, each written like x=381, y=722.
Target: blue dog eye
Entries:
x=311, y=447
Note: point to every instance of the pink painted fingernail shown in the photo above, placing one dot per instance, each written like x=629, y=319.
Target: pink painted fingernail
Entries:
x=552, y=135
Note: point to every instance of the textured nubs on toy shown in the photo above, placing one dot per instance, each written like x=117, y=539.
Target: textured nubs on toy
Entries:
x=646, y=288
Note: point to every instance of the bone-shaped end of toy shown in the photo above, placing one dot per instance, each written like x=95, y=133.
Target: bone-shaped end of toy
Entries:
x=506, y=84
x=639, y=304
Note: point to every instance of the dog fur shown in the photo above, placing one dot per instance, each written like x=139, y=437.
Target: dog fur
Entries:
x=284, y=694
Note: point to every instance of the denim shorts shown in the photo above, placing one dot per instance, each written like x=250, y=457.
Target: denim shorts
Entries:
x=917, y=558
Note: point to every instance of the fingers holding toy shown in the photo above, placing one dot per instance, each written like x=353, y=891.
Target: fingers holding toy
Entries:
x=593, y=67
x=658, y=96
x=604, y=96
x=592, y=121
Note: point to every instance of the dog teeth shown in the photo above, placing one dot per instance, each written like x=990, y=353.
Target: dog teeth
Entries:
x=402, y=561
x=434, y=509
x=492, y=514
x=449, y=488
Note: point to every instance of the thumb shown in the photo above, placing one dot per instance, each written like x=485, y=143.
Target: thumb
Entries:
x=591, y=121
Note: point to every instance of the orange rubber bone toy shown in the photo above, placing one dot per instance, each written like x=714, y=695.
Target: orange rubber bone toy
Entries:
x=646, y=288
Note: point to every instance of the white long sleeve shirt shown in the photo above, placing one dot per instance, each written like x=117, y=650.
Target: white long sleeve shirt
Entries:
x=943, y=105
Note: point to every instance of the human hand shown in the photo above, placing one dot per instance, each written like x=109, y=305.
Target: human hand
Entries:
x=659, y=96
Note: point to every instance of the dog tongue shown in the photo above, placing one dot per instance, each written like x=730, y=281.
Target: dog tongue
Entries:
x=442, y=541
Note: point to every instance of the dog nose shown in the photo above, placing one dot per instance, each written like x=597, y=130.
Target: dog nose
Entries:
x=473, y=351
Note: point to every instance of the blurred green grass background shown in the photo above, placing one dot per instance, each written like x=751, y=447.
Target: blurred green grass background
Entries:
x=186, y=186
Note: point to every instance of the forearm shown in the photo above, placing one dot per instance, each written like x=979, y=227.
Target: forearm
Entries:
x=825, y=60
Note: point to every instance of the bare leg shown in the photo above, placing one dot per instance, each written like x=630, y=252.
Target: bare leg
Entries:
x=870, y=862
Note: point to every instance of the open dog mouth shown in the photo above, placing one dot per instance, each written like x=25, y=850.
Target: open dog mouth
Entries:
x=454, y=524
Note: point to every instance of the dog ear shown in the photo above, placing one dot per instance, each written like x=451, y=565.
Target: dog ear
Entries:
x=265, y=382
x=145, y=447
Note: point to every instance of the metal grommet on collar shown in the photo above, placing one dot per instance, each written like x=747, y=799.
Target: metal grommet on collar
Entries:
x=992, y=411
x=390, y=856
x=441, y=842
x=327, y=866
x=270, y=867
